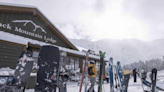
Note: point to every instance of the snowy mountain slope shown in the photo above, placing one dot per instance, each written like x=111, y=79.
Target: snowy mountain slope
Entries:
x=126, y=50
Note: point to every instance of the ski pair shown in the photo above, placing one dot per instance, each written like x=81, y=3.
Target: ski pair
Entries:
x=102, y=56
x=111, y=74
x=121, y=80
x=121, y=83
x=85, y=71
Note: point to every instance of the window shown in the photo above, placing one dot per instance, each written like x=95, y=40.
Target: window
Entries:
x=76, y=64
x=83, y=63
x=35, y=56
x=67, y=64
x=98, y=66
x=72, y=63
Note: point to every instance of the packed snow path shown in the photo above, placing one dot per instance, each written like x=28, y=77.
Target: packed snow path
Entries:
x=133, y=87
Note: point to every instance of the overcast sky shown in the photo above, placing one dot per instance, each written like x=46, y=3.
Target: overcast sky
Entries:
x=102, y=19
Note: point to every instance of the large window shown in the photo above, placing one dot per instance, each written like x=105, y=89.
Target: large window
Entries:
x=72, y=63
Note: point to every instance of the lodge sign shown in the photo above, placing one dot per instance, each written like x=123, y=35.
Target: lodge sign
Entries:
x=27, y=32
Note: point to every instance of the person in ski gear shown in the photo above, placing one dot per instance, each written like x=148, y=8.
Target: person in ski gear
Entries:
x=92, y=72
x=134, y=74
x=143, y=74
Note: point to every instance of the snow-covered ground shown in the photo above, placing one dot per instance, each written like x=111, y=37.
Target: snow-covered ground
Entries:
x=133, y=87
x=73, y=87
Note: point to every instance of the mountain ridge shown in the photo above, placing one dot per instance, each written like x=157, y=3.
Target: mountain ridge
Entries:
x=126, y=50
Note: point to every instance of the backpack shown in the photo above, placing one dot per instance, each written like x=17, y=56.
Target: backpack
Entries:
x=90, y=71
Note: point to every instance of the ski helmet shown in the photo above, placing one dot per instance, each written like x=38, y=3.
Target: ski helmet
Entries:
x=92, y=61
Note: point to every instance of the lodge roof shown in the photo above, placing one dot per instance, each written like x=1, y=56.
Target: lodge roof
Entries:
x=6, y=7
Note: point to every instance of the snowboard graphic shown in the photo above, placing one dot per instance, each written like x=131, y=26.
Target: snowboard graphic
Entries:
x=6, y=80
x=47, y=75
x=111, y=74
x=23, y=69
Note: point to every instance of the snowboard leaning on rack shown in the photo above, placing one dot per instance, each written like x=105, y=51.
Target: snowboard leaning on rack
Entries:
x=153, y=78
x=18, y=82
x=111, y=74
x=119, y=70
x=149, y=84
x=48, y=72
x=126, y=78
x=102, y=56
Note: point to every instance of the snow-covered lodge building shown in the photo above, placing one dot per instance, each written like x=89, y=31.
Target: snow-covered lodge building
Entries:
x=26, y=28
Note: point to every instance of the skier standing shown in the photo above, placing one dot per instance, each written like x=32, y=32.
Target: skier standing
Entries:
x=134, y=74
x=92, y=72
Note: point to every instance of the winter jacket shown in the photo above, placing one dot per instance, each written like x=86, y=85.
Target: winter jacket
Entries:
x=94, y=69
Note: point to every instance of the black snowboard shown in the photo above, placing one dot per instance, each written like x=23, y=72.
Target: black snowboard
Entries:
x=47, y=75
x=21, y=75
x=153, y=78
x=126, y=78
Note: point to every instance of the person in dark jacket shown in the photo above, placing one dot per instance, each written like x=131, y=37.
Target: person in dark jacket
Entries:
x=134, y=74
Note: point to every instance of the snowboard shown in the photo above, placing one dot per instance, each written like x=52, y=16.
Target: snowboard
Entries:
x=111, y=74
x=102, y=56
x=62, y=64
x=18, y=82
x=126, y=78
x=148, y=84
x=48, y=72
x=154, y=77
x=119, y=70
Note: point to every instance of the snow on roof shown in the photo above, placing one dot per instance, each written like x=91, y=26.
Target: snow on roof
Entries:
x=19, y=5
x=81, y=48
x=22, y=40
x=28, y=6
x=11, y=38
